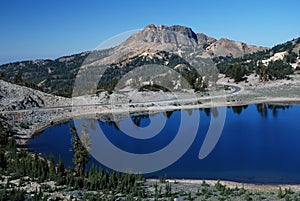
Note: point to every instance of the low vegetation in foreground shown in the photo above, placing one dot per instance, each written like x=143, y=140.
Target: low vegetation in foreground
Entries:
x=26, y=176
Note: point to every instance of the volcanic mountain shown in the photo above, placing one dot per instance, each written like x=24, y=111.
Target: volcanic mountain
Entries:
x=175, y=46
x=176, y=37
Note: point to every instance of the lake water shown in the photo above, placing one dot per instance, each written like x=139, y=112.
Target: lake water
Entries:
x=259, y=144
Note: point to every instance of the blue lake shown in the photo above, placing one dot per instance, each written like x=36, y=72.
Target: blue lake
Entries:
x=258, y=144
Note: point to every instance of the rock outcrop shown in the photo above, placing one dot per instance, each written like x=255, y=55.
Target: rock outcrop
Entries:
x=15, y=97
x=179, y=37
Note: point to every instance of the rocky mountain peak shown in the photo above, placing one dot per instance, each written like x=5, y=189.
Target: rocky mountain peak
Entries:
x=174, y=35
x=175, y=28
x=204, y=39
x=179, y=38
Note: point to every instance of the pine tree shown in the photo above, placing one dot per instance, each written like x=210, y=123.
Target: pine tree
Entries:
x=3, y=161
x=80, y=147
x=52, y=171
x=60, y=167
x=18, y=78
x=3, y=76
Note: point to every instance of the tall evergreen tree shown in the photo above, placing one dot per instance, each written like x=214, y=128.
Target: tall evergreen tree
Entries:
x=52, y=171
x=18, y=78
x=3, y=76
x=80, y=146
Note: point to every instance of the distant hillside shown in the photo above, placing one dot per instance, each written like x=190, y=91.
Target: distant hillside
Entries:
x=144, y=69
x=275, y=63
x=51, y=76
x=58, y=76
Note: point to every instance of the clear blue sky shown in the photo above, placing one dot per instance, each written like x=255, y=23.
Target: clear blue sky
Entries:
x=48, y=29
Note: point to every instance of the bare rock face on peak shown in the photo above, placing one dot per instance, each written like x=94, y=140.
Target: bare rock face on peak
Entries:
x=177, y=35
x=205, y=40
x=175, y=38
x=161, y=38
x=225, y=47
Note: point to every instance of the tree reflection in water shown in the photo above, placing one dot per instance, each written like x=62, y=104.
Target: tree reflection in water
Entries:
x=136, y=119
x=275, y=108
x=239, y=109
x=168, y=114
